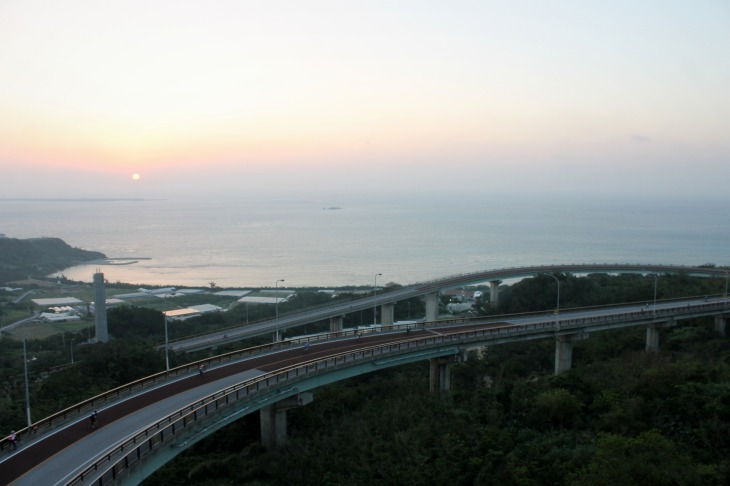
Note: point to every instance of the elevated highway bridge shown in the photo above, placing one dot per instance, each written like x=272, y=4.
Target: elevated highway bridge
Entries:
x=428, y=290
x=146, y=423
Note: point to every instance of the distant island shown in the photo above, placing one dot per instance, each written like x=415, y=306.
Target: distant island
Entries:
x=331, y=208
x=38, y=257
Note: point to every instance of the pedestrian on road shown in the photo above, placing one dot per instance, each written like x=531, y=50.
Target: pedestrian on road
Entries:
x=306, y=348
x=93, y=418
x=11, y=440
x=201, y=369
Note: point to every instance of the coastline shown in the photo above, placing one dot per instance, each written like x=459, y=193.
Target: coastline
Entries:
x=117, y=261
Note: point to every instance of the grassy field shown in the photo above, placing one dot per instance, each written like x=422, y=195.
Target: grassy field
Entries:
x=10, y=315
x=40, y=330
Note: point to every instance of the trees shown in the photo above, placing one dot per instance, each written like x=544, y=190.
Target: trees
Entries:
x=649, y=458
x=618, y=415
x=629, y=418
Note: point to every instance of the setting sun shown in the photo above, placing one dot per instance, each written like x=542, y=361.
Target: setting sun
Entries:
x=135, y=177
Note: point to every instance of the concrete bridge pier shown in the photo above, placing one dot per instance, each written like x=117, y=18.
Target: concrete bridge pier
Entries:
x=494, y=293
x=464, y=351
x=432, y=306
x=387, y=315
x=440, y=374
x=720, y=324
x=652, y=334
x=652, y=338
x=336, y=324
x=273, y=418
x=102, y=333
x=564, y=350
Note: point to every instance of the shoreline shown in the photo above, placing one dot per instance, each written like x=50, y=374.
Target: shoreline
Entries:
x=117, y=261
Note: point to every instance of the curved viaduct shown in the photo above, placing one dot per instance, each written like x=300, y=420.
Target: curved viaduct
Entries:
x=430, y=290
x=145, y=424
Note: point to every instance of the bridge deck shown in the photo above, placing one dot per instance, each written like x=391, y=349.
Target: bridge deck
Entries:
x=55, y=456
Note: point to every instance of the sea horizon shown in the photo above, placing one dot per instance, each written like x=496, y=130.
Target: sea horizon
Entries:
x=349, y=240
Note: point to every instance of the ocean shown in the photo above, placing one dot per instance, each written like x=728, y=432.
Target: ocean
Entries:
x=328, y=242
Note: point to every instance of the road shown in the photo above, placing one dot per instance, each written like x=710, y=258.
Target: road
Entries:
x=57, y=453
x=394, y=295
x=54, y=456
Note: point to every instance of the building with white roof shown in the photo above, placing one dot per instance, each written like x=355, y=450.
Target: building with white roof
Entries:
x=57, y=301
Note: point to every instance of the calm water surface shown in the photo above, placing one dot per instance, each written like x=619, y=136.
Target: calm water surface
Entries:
x=241, y=243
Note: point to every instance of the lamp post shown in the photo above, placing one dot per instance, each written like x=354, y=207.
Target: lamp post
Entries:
x=276, y=286
x=557, y=305
x=375, y=292
x=27, y=392
x=656, y=277
x=727, y=274
x=167, y=341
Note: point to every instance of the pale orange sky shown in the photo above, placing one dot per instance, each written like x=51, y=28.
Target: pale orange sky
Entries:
x=363, y=96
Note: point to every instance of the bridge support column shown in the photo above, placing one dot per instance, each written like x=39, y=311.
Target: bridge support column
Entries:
x=440, y=374
x=464, y=351
x=720, y=325
x=652, y=334
x=652, y=338
x=387, y=315
x=273, y=418
x=564, y=351
x=432, y=306
x=336, y=324
x=494, y=293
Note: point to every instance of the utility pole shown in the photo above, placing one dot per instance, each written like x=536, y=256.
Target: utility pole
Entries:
x=375, y=292
x=27, y=392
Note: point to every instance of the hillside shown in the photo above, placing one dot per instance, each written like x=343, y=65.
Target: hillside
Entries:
x=38, y=257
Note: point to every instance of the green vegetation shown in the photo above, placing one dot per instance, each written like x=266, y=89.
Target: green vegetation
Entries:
x=626, y=418
x=539, y=293
x=130, y=355
x=620, y=416
x=37, y=257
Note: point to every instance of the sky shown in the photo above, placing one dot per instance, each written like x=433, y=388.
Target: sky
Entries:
x=161, y=97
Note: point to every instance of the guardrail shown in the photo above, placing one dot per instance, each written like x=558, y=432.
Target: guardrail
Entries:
x=108, y=467
x=523, y=271
x=70, y=413
x=282, y=315
x=121, y=458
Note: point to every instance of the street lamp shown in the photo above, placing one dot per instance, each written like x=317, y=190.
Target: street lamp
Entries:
x=557, y=305
x=27, y=391
x=276, y=286
x=375, y=291
x=167, y=341
x=727, y=274
x=656, y=277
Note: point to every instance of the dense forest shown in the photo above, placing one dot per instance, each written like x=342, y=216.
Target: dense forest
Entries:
x=620, y=416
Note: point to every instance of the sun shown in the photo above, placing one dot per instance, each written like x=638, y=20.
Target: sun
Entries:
x=135, y=177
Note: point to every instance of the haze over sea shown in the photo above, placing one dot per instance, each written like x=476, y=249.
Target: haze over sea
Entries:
x=319, y=241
